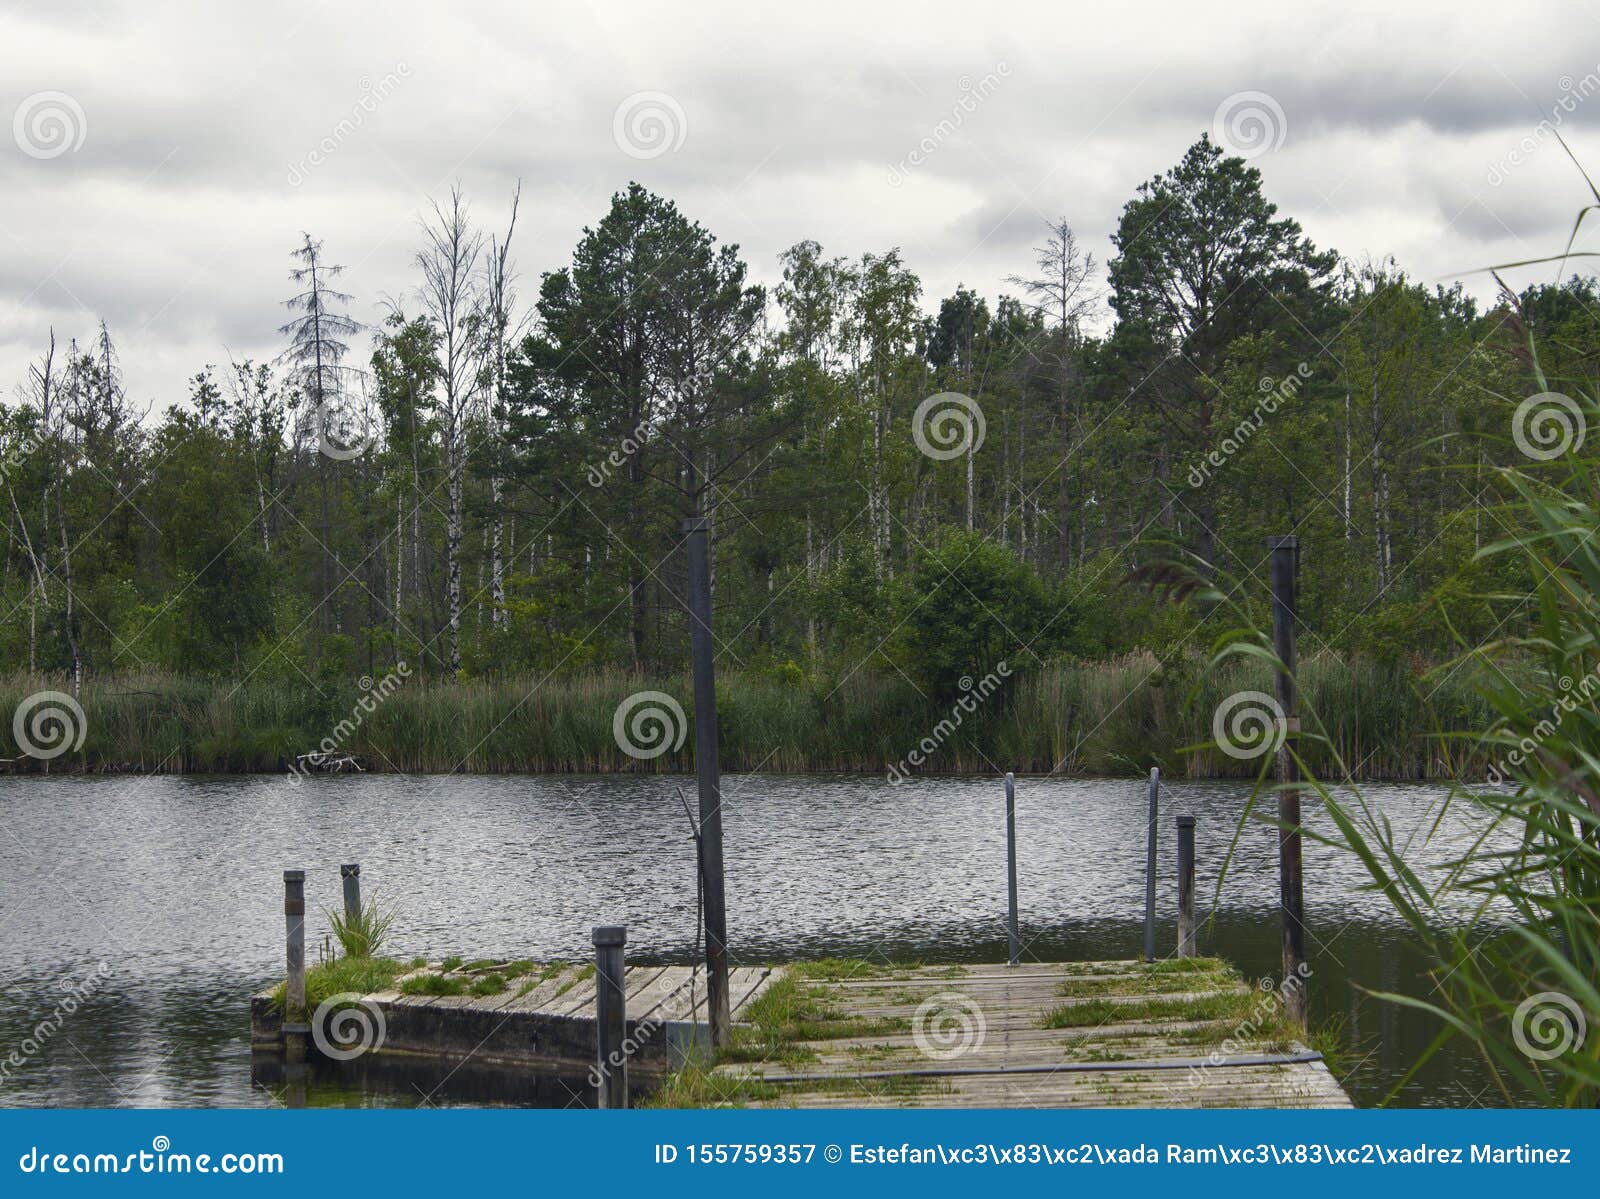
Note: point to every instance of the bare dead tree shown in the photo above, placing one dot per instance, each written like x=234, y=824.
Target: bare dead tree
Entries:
x=1063, y=292
x=452, y=302
x=501, y=331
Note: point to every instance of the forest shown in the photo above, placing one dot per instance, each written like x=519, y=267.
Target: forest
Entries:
x=907, y=492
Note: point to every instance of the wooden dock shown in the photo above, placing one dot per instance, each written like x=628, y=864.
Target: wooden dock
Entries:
x=540, y=1017
x=1184, y=1033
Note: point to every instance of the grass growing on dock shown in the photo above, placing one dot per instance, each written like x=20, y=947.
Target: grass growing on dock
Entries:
x=362, y=934
x=541, y=974
x=775, y=1028
x=1211, y=974
x=434, y=984
x=360, y=976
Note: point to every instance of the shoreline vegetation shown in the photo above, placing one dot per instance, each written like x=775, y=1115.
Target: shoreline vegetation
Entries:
x=1386, y=721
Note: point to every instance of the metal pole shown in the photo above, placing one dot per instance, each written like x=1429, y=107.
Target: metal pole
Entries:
x=1150, y=867
x=295, y=1028
x=1291, y=886
x=1186, y=943
x=610, y=1016
x=709, y=774
x=351, y=874
x=1013, y=937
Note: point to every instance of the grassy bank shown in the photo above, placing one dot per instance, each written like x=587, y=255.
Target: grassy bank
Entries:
x=1102, y=718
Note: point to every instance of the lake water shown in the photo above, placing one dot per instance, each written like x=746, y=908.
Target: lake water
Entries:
x=175, y=884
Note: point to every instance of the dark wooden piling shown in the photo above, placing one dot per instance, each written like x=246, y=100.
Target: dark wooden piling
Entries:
x=1186, y=937
x=1013, y=936
x=1150, y=867
x=1291, y=885
x=611, y=1016
x=709, y=776
x=295, y=1028
x=350, y=874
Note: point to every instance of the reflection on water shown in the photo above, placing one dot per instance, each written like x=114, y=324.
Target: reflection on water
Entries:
x=176, y=885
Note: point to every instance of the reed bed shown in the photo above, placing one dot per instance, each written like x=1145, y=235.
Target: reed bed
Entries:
x=1085, y=718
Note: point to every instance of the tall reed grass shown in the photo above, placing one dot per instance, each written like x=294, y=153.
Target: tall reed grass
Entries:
x=1098, y=718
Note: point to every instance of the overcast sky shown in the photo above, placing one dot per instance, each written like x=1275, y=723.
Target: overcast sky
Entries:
x=165, y=158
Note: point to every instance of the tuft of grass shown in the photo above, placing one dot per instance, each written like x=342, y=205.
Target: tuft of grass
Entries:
x=1093, y=1012
x=361, y=976
x=453, y=962
x=433, y=984
x=363, y=933
x=489, y=984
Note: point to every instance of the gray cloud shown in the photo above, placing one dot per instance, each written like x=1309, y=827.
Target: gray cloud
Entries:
x=216, y=135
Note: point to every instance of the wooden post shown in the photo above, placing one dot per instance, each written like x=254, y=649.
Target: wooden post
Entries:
x=1291, y=886
x=1150, y=867
x=709, y=776
x=351, y=874
x=295, y=1028
x=1186, y=941
x=610, y=1016
x=1013, y=938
